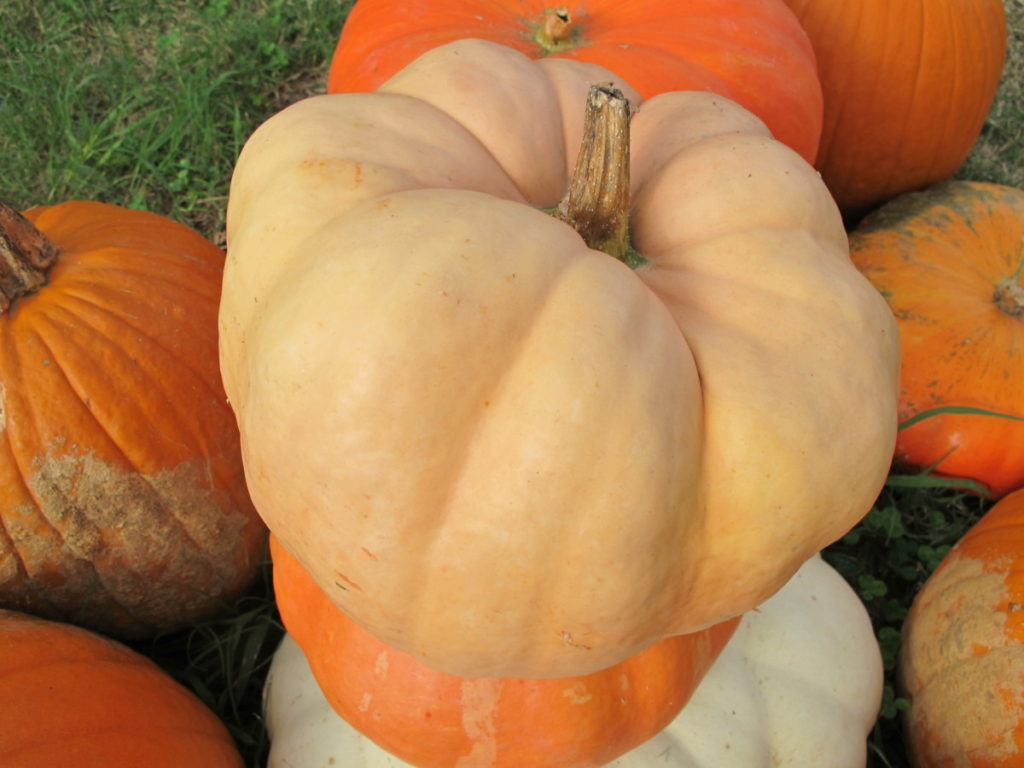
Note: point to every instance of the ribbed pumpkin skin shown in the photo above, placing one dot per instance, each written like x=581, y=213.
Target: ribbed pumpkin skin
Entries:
x=70, y=697
x=907, y=86
x=939, y=258
x=962, y=658
x=435, y=720
x=751, y=51
x=123, y=505
x=510, y=455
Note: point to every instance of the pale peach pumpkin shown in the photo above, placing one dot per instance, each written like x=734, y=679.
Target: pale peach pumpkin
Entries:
x=510, y=455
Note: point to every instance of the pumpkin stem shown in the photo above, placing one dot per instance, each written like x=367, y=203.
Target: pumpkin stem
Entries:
x=26, y=255
x=597, y=203
x=556, y=30
x=1009, y=295
x=557, y=24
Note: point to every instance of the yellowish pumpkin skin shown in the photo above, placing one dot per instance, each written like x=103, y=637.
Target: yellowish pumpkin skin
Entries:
x=507, y=454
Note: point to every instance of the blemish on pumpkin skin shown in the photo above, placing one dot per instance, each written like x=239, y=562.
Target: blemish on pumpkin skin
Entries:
x=578, y=694
x=110, y=520
x=347, y=581
x=368, y=553
x=479, y=699
x=364, y=702
x=945, y=677
x=567, y=639
x=381, y=665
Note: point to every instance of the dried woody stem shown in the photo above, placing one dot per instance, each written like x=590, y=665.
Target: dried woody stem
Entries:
x=597, y=203
x=25, y=256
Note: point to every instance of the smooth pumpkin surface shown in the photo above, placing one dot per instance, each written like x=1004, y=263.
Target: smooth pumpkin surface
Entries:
x=753, y=52
x=435, y=720
x=68, y=696
x=797, y=685
x=949, y=262
x=962, y=657
x=123, y=504
x=507, y=454
x=907, y=86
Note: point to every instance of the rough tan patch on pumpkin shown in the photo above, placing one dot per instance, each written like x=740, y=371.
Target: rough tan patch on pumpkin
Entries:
x=8, y=560
x=136, y=552
x=955, y=618
x=968, y=714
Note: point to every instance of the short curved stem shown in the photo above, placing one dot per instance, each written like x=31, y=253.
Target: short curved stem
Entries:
x=26, y=255
x=1009, y=296
x=556, y=30
x=557, y=24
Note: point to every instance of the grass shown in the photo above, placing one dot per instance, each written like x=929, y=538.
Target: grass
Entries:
x=998, y=155
x=146, y=104
x=887, y=559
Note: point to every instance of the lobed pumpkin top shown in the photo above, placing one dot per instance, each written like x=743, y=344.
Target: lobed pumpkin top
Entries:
x=508, y=454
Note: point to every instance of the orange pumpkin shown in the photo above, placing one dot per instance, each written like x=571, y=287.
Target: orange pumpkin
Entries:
x=123, y=505
x=907, y=86
x=962, y=658
x=436, y=720
x=949, y=262
x=70, y=697
x=751, y=51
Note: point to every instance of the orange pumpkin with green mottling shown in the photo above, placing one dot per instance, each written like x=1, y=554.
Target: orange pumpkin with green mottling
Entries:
x=950, y=263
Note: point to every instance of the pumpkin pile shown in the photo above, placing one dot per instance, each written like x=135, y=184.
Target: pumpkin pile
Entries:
x=797, y=684
x=509, y=454
x=524, y=472
x=549, y=350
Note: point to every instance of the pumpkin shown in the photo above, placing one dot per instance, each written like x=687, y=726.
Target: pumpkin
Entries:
x=961, y=663
x=123, y=504
x=798, y=684
x=68, y=696
x=506, y=453
x=907, y=86
x=753, y=52
x=949, y=262
x=436, y=720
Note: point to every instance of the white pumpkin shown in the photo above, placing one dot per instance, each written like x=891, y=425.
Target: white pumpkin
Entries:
x=798, y=686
